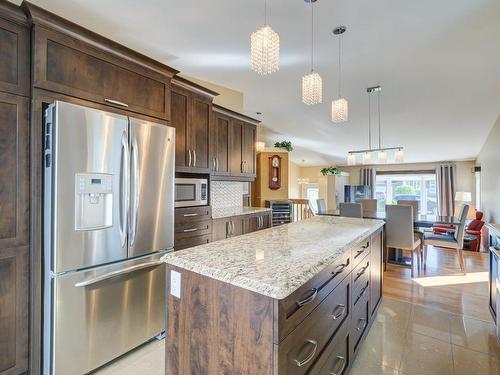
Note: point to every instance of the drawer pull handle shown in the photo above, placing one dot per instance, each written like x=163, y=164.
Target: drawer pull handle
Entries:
x=343, y=362
x=362, y=326
x=190, y=230
x=363, y=270
x=337, y=315
x=190, y=215
x=339, y=269
x=310, y=356
x=308, y=299
x=116, y=102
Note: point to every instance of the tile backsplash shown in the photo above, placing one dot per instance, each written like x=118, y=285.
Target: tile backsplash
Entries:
x=226, y=194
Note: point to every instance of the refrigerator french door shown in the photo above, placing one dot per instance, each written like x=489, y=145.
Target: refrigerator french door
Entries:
x=108, y=218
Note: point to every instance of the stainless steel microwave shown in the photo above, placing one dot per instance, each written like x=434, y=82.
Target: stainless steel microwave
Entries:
x=191, y=192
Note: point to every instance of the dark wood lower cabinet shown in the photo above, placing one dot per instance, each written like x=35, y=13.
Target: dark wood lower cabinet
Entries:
x=218, y=328
x=14, y=310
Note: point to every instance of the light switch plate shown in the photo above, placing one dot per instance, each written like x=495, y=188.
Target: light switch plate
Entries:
x=175, y=284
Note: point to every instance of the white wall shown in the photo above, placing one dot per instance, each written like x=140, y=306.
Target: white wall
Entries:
x=489, y=160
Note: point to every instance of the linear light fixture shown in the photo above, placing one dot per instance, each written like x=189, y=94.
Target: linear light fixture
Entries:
x=382, y=151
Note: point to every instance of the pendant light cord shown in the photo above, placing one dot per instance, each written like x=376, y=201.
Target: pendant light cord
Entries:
x=369, y=121
x=379, y=133
x=265, y=12
x=340, y=66
x=312, y=36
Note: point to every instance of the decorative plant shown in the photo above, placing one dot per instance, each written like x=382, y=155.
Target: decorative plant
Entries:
x=331, y=170
x=286, y=145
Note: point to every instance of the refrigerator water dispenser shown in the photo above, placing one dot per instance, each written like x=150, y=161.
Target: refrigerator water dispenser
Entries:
x=93, y=201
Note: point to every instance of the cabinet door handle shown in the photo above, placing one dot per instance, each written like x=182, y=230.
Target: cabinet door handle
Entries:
x=194, y=158
x=363, y=324
x=217, y=164
x=116, y=102
x=190, y=230
x=308, y=299
x=363, y=270
x=232, y=225
x=189, y=157
x=338, y=312
x=340, y=268
x=340, y=359
x=310, y=356
x=190, y=215
x=213, y=164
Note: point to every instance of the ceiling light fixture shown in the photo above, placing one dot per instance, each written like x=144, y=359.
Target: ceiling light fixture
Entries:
x=265, y=48
x=382, y=151
x=312, y=84
x=340, y=106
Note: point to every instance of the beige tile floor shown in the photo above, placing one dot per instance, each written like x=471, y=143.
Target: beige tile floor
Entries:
x=413, y=340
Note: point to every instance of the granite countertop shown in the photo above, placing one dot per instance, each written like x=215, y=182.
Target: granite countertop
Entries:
x=222, y=212
x=276, y=261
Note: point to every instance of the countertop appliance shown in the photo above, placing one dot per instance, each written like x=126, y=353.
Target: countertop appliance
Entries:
x=191, y=192
x=108, y=218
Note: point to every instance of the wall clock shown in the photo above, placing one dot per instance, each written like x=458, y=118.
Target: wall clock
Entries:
x=274, y=172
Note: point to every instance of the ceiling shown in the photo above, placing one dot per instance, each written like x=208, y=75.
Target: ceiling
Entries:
x=438, y=63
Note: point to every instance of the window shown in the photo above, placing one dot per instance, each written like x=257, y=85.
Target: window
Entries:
x=419, y=186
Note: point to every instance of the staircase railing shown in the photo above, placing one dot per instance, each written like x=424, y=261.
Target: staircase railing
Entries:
x=301, y=209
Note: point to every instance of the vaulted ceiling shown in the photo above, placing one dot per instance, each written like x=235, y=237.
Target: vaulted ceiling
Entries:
x=438, y=63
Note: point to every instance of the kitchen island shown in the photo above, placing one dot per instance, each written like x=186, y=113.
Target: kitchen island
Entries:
x=294, y=299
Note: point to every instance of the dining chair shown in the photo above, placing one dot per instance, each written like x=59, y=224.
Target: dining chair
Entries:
x=351, y=210
x=369, y=207
x=412, y=203
x=399, y=232
x=453, y=240
x=321, y=204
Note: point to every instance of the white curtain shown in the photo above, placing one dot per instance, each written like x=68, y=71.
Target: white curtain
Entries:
x=368, y=176
x=446, y=185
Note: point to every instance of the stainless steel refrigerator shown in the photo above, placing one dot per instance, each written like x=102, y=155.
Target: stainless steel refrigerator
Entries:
x=108, y=218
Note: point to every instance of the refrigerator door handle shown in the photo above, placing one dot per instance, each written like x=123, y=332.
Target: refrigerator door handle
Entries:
x=135, y=181
x=125, y=193
x=118, y=273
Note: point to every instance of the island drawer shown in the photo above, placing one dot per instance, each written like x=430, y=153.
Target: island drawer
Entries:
x=192, y=214
x=197, y=228
x=361, y=273
x=296, y=307
x=360, y=251
x=335, y=358
x=303, y=346
x=359, y=322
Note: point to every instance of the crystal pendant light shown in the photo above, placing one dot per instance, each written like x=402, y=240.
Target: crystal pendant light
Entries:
x=265, y=48
x=312, y=84
x=259, y=144
x=340, y=106
x=399, y=155
x=351, y=159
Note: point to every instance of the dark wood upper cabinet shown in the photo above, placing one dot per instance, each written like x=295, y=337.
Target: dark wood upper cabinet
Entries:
x=233, y=144
x=220, y=145
x=71, y=60
x=15, y=53
x=248, y=149
x=235, y=148
x=192, y=119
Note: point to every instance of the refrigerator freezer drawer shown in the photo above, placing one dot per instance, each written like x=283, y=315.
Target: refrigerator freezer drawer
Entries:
x=102, y=313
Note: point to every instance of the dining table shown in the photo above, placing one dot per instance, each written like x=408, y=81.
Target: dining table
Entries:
x=422, y=221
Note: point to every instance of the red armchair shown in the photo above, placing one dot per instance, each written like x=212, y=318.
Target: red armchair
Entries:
x=474, y=229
